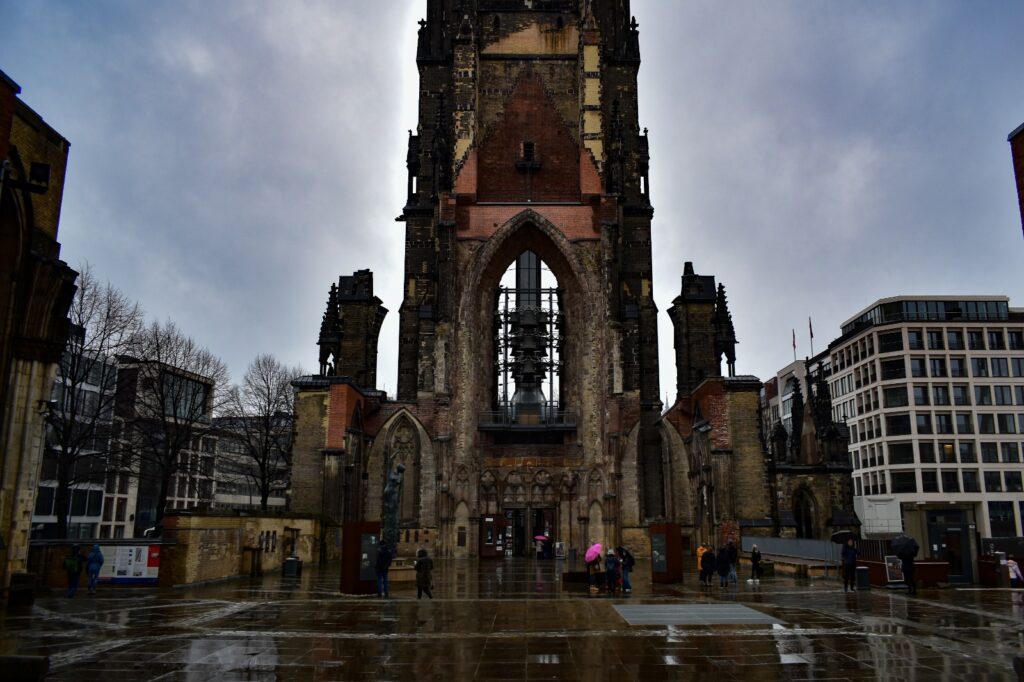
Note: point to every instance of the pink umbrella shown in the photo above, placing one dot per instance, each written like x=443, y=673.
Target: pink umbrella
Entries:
x=540, y=537
x=593, y=553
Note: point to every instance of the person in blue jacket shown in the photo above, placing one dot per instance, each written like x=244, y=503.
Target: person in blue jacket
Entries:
x=93, y=564
x=849, y=557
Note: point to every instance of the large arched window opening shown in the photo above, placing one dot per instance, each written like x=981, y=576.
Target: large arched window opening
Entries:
x=528, y=328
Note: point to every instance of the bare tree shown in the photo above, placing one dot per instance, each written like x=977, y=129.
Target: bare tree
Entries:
x=103, y=322
x=169, y=389
x=258, y=423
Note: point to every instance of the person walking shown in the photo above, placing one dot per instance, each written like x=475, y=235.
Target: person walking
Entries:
x=1016, y=577
x=74, y=562
x=611, y=571
x=701, y=550
x=907, y=564
x=707, y=566
x=734, y=559
x=424, y=574
x=381, y=569
x=628, y=562
x=93, y=564
x=849, y=559
x=755, y=566
x=723, y=565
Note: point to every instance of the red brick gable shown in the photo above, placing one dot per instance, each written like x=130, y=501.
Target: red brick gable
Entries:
x=529, y=116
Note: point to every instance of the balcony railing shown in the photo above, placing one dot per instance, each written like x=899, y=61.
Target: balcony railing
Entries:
x=544, y=417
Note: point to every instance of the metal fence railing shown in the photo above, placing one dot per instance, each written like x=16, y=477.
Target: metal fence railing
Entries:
x=799, y=548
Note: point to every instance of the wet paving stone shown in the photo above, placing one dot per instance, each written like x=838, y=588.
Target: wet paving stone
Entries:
x=511, y=620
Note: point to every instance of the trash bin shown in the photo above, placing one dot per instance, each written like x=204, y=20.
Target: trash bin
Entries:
x=22, y=590
x=292, y=567
x=863, y=578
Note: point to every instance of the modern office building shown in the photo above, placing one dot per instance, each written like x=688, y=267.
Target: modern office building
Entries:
x=932, y=389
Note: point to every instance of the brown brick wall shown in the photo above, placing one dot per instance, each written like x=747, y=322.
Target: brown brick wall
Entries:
x=529, y=115
x=311, y=409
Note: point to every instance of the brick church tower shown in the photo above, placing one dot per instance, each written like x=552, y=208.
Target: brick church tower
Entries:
x=528, y=398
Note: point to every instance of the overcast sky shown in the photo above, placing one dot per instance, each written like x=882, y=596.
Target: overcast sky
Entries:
x=230, y=159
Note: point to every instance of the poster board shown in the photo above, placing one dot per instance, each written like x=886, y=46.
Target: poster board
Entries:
x=893, y=569
x=666, y=552
x=129, y=564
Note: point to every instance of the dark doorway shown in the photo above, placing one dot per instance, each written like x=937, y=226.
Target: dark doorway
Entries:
x=950, y=541
x=543, y=526
x=515, y=532
x=803, y=513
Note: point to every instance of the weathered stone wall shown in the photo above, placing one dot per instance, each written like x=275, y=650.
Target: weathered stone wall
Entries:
x=212, y=547
x=311, y=426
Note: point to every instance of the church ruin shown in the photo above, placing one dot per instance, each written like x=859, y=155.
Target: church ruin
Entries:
x=528, y=401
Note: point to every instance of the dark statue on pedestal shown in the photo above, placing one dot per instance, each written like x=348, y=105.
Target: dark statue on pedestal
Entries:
x=392, y=503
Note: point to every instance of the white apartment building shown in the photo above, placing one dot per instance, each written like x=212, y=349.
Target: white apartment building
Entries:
x=932, y=389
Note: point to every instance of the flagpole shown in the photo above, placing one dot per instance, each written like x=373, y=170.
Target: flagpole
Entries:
x=794, y=345
x=810, y=328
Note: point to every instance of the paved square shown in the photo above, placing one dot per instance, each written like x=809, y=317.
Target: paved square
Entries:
x=512, y=620
x=693, y=614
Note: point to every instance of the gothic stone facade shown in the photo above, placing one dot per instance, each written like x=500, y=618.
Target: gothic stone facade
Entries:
x=36, y=289
x=528, y=149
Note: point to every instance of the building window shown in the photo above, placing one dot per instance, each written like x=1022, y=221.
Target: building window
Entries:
x=975, y=339
x=926, y=451
x=1018, y=367
x=901, y=453
x=1004, y=395
x=1001, y=521
x=950, y=481
x=860, y=490
x=979, y=367
x=44, y=501
x=986, y=423
x=929, y=482
x=982, y=395
x=920, y=394
x=989, y=453
x=993, y=482
x=1016, y=339
x=1011, y=453
x=943, y=423
x=918, y=367
x=970, y=478
x=894, y=369
x=995, y=340
x=118, y=532
x=924, y=422
x=947, y=453
x=942, y=395
x=904, y=482
x=961, y=394
x=957, y=367
x=967, y=455
x=955, y=339
x=915, y=340
x=1013, y=482
x=461, y=536
x=890, y=342
x=935, y=340
x=1007, y=423
x=964, y=422
x=895, y=396
x=897, y=425
x=1000, y=367
x=121, y=508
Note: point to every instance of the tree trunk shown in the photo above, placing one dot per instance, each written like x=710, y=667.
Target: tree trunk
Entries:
x=161, y=501
x=62, y=496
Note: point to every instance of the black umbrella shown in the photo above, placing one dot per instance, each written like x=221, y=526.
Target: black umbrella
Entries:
x=841, y=536
x=905, y=547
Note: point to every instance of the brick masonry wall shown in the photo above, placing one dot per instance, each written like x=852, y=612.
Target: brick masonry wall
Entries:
x=212, y=547
x=311, y=424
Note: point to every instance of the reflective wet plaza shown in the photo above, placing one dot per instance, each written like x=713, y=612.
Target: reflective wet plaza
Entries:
x=512, y=620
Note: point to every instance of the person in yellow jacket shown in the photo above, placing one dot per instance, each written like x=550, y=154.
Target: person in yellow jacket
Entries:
x=700, y=552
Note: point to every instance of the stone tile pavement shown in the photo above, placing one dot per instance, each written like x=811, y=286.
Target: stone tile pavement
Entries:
x=511, y=620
